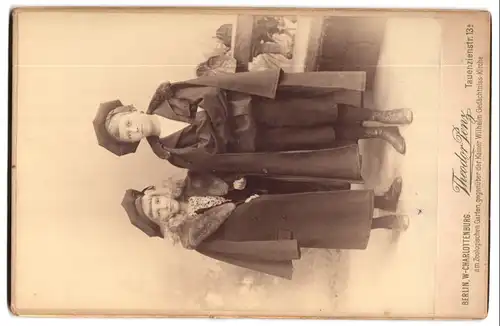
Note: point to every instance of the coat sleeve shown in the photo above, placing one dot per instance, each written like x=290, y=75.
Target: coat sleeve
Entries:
x=205, y=184
x=266, y=83
x=162, y=92
x=209, y=184
x=283, y=269
x=259, y=83
x=273, y=250
x=216, y=106
x=270, y=257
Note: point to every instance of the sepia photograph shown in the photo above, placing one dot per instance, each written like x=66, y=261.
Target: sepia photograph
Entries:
x=227, y=162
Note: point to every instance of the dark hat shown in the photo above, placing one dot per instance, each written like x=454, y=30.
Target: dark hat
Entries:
x=131, y=204
x=104, y=138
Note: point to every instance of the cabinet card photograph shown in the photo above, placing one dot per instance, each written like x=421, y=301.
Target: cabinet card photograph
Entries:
x=224, y=162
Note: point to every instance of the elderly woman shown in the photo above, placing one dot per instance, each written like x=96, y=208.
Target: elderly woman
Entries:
x=262, y=232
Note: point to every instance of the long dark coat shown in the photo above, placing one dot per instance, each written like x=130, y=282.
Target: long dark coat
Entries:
x=266, y=234
x=231, y=134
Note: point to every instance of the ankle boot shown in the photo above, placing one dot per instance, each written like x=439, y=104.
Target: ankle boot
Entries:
x=389, y=134
x=398, y=116
x=401, y=223
x=389, y=200
x=391, y=222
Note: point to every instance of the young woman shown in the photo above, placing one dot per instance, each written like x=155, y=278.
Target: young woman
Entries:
x=267, y=122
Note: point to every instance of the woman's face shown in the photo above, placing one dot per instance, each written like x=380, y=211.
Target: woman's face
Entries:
x=159, y=207
x=131, y=127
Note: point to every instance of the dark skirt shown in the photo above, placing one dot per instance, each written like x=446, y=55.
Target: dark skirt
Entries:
x=288, y=123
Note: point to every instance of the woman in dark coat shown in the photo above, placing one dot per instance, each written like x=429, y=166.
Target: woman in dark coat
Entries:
x=264, y=123
x=261, y=232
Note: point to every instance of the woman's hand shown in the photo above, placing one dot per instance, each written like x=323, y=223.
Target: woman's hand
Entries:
x=240, y=184
x=249, y=199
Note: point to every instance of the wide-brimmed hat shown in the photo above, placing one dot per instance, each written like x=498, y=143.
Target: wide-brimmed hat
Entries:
x=104, y=138
x=131, y=204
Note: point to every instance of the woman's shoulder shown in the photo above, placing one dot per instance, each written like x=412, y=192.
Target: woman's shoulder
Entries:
x=162, y=92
